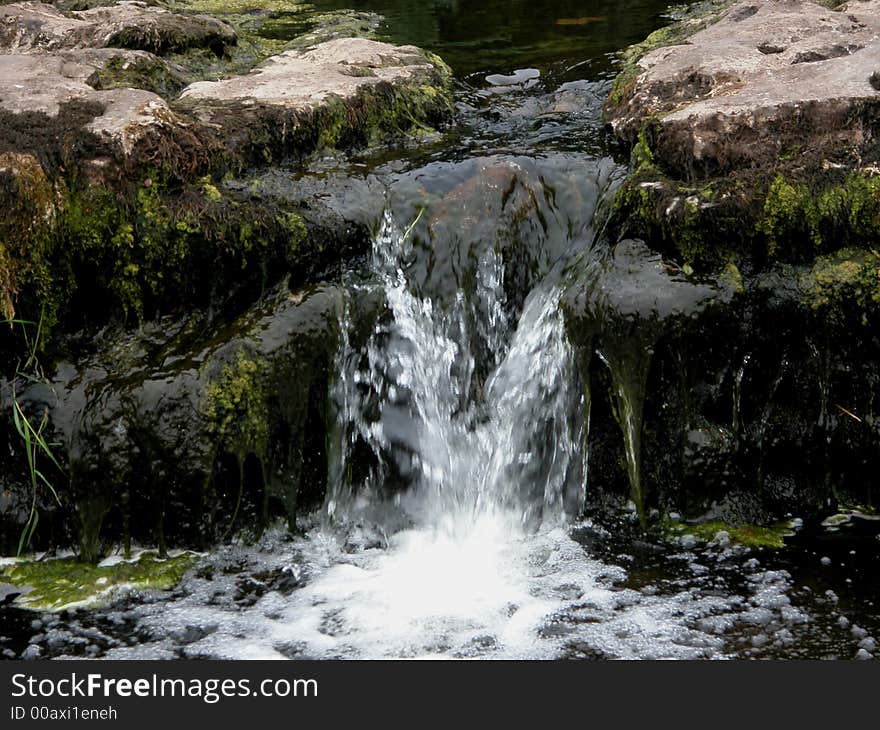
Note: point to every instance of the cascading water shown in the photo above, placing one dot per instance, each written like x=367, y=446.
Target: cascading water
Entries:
x=507, y=455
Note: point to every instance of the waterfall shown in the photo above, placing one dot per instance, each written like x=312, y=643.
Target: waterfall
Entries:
x=507, y=446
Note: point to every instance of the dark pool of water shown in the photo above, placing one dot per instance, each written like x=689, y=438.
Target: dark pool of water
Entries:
x=498, y=36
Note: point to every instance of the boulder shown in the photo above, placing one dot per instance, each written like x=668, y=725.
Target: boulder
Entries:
x=749, y=398
x=186, y=432
x=754, y=133
x=766, y=77
x=138, y=207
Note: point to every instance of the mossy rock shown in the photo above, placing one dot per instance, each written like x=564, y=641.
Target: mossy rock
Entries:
x=753, y=217
x=687, y=20
x=729, y=163
x=64, y=584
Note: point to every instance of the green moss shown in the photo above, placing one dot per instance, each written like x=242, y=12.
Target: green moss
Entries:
x=64, y=583
x=783, y=208
x=844, y=286
x=296, y=229
x=210, y=190
x=751, y=536
x=846, y=213
x=29, y=202
x=235, y=406
x=732, y=278
x=141, y=72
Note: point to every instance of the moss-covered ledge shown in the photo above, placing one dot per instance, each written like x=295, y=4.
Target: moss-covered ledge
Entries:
x=61, y=584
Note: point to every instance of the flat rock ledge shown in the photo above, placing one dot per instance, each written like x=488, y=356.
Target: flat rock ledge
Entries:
x=34, y=26
x=338, y=93
x=758, y=82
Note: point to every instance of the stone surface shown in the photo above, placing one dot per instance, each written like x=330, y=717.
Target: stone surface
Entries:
x=33, y=26
x=164, y=427
x=762, y=80
x=46, y=84
x=343, y=93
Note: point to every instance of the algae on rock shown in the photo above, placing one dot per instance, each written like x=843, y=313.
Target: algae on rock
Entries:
x=60, y=584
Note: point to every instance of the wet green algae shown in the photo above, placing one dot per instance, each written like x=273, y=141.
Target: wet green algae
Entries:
x=751, y=536
x=155, y=251
x=64, y=583
x=235, y=406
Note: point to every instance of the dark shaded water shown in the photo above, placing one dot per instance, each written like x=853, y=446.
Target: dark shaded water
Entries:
x=507, y=194
x=497, y=36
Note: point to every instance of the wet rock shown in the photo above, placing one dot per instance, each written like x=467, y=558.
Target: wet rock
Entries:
x=8, y=593
x=714, y=384
x=118, y=127
x=32, y=26
x=752, y=133
x=129, y=197
x=185, y=435
x=620, y=307
x=754, y=164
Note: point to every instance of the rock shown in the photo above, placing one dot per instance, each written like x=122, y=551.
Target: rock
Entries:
x=339, y=93
x=184, y=433
x=121, y=164
x=9, y=593
x=760, y=80
x=33, y=26
x=754, y=133
x=118, y=121
x=620, y=307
